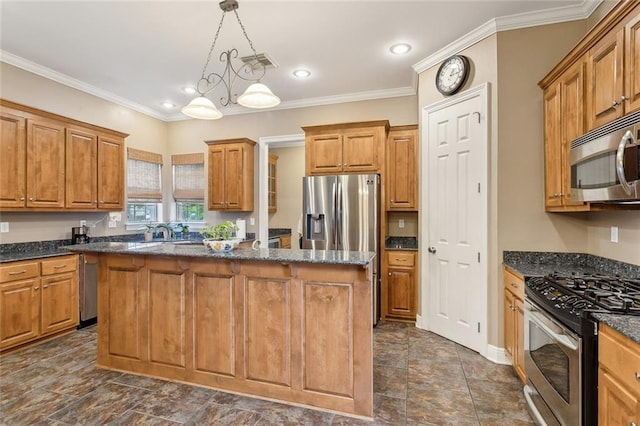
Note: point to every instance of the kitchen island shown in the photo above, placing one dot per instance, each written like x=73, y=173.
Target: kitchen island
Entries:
x=288, y=325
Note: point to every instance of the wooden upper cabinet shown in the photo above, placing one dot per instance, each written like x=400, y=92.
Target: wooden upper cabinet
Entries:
x=605, y=80
x=82, y=180
x=613, y=88
x=110, y=173
x=53, y=163
x=45, y=163
x=345, y=148
x=13, y=148
x=231, y=174
x=564, y=121
x=401, y=170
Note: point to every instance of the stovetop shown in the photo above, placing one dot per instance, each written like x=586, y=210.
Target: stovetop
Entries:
x=571, y=297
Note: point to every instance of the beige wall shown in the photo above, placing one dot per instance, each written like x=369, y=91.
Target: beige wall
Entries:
x=168, y=138
x=290, y=173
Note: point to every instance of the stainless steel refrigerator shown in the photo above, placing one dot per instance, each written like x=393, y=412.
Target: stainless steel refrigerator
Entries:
x=341, y=212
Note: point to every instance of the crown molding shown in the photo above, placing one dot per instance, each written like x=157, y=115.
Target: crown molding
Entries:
x=32, y=67
x=512, y=22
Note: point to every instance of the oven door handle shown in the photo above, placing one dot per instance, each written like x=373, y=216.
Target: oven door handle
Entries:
x=626, y=139
x=558, y=335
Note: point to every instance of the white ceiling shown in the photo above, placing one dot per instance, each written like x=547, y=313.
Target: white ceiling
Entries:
x=141, y=53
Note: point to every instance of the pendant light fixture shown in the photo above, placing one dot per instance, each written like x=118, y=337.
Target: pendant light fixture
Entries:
x=257, y=95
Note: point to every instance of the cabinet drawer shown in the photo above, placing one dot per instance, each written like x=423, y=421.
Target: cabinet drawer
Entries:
x=18, y=271
x=59, y=265
x=621, y=356
x=400, y=259
x=514, y=283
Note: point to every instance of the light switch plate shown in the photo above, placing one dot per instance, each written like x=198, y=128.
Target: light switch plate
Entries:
x=252, y=221
x=401, y=223
x=614, y=234
x=117, y=216
x=4, y=227
x=112, y=224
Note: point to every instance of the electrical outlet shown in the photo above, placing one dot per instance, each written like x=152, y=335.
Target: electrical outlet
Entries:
x=115, y=216
x=252, y=221
x=83, y=223
x=401, y=223
x=614, y=234
x=112, y=224
x=4, y=227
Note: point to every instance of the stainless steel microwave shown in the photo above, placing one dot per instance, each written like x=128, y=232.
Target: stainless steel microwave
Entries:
x=605, y=163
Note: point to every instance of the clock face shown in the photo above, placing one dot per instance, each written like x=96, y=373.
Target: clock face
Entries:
x=452, y=74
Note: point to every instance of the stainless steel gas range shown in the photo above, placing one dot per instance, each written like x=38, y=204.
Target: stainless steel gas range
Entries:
x=561, y=342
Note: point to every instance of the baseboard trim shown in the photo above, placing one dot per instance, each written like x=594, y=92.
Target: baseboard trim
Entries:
x=497, y=355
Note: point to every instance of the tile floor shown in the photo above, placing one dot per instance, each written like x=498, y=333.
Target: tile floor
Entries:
x=419, y=378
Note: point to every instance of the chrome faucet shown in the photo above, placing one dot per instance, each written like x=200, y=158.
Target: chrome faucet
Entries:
x=167, y=231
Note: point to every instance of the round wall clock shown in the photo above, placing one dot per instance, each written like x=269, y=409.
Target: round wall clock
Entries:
x=452, y=74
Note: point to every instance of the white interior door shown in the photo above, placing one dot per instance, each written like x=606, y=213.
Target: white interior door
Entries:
x=455, y=135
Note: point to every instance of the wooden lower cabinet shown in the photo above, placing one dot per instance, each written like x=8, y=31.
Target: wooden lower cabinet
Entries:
x=400, y=292
x=298, y=333
x=618, y=379
x=514, y=321
x=285, y=241
x=37, y=300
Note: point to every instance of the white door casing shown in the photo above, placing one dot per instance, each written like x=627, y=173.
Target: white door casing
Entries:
x=454, y=218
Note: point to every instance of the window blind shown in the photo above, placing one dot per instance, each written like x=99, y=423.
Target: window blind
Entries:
x=188, y=177
x=144, y=176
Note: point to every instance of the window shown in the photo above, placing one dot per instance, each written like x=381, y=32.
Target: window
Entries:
x=144, y=186
x=188, y=186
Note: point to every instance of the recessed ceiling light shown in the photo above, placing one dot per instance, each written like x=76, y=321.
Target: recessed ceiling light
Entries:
x=168, y=105
x=190, y=90
x=400, y=48
x=301, y=73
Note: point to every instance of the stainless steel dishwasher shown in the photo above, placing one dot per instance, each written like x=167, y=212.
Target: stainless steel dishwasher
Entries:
x=88, y=292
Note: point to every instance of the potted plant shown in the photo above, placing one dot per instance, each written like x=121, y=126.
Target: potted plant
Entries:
x=184, y=229
x=221, y=237
x=148, y=233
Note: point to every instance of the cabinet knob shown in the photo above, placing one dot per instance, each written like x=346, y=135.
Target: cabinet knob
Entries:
x=514, y=285
x=30, y=198
x=95, y=201
x=45, y=286
x=389, y=273
x=21, y=198
x=623, y=98
x=638, y=376
x=36, y=288
x=615, y=104
x=101, y=202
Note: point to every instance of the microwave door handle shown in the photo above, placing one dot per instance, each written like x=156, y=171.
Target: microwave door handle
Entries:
x=627, y=138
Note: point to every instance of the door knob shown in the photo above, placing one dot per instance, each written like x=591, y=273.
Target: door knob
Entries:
x=431, y=249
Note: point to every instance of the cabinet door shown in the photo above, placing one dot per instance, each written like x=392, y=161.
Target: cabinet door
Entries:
x=81, y=169
x=360, y=150
x=59, y=302
x=19, y=312
x=605, y=80
x=509, y=325
x=110, y=173
x=632, y=64
x=234, y=177
x=518, y=349
x=216, y=177
x=45, y=164
x=13, y=153
x=324, y=154
x=402, y=173
x=617, y=405
x=401, y=300
x=552, y=147
x=572, y=123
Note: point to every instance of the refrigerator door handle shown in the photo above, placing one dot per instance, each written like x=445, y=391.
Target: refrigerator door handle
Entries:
x=338, y=218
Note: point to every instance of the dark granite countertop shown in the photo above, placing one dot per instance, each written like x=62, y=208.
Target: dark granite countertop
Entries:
x=35, y=254
x=198, y=250
x=401, y=243
x=531, y=264
x=628, y=325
